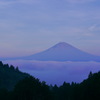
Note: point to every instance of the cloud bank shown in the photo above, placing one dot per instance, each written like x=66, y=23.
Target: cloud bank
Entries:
x=57, y=72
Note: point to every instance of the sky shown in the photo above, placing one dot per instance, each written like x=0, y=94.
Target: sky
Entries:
x=30, y=26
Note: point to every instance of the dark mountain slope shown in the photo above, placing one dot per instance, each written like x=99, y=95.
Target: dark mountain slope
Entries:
x=9, y=76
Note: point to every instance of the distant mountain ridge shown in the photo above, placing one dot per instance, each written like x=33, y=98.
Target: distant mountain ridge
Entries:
x=63, y=52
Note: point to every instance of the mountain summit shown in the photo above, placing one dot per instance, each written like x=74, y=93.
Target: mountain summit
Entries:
x=62, y=44
x=63, y=52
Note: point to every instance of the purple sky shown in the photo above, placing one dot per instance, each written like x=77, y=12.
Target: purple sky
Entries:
x=30, y=26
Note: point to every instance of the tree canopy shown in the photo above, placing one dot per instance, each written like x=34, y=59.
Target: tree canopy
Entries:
x=15, y=85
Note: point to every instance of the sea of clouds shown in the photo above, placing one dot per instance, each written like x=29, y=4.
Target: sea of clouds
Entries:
x=57, y=72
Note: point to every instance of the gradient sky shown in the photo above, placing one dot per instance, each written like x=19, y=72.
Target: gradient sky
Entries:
x=30, y=26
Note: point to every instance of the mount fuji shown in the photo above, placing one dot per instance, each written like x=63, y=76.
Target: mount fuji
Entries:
x=63, y=52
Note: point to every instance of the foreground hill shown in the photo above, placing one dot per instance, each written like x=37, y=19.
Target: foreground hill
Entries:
x=9, y=76
x=89, y=89
x=26, y=87
x=62, y=52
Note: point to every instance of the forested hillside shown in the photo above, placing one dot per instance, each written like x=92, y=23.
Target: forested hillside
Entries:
x=89, y=89
x=15, y=85
x=9, y=76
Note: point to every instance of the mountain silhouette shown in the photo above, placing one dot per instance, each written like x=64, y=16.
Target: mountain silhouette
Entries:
x=63, y=52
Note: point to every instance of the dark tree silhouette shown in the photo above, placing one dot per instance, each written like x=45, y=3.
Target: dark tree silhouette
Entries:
x=31, y=89
x=15, y=85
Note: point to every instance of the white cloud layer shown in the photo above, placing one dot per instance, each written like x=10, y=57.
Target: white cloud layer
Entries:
x=57, y=72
